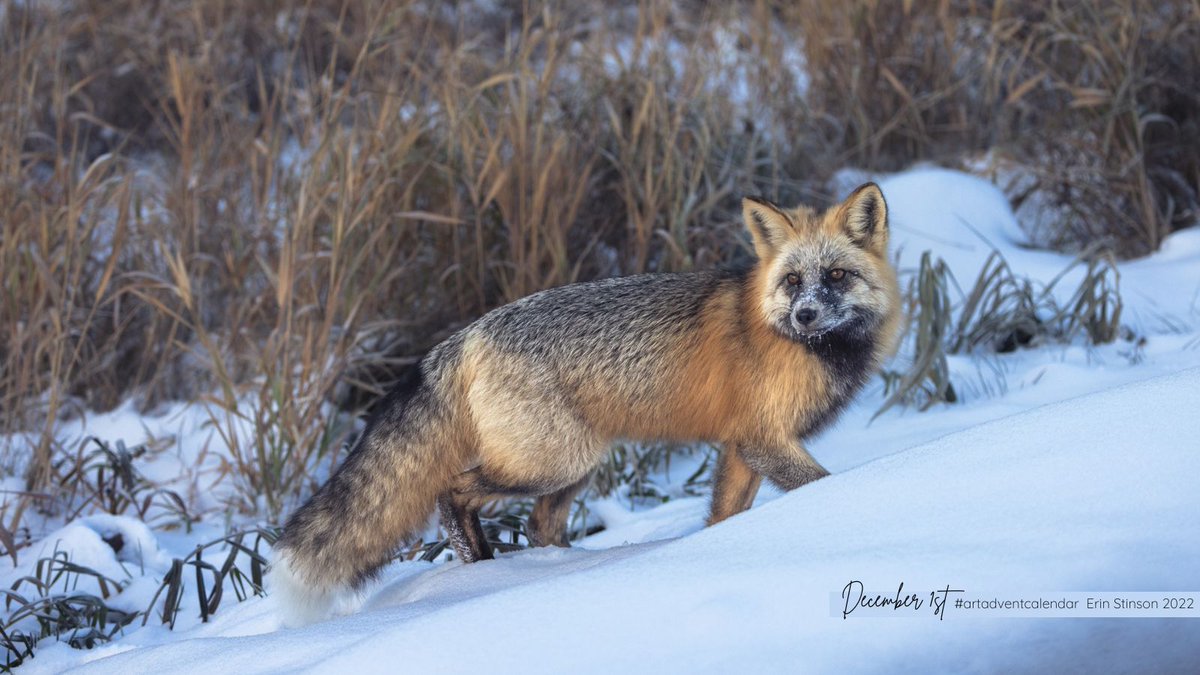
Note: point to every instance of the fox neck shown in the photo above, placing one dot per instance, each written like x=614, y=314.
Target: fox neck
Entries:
x=836, y=364
x=848, y=353
x=849, y=357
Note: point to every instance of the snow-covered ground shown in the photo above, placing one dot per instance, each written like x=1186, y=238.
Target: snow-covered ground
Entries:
x=1065, y=469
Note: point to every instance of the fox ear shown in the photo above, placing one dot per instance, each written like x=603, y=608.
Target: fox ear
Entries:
x=769, y=226
x=864, y=218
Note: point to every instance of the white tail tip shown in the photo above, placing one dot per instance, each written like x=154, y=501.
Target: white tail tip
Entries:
x=299, y=602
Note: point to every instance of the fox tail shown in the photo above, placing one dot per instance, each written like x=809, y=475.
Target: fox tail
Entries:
x=382, y=493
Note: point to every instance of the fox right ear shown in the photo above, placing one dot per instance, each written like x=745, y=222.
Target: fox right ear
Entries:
x=769, y=226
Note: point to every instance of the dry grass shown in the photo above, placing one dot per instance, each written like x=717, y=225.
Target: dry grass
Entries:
x=277, y=207
x=1098, y=101
x=1001, y=312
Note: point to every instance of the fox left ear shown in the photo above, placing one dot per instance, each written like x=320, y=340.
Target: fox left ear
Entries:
x=864, y=218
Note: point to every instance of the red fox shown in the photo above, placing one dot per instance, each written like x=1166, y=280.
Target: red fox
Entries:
x=527, y=399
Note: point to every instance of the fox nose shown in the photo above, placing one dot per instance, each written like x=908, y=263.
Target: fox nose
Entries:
x=806, y=315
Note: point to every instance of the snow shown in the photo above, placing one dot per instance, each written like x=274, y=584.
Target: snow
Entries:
x=1065, y=468
x=1093, y=493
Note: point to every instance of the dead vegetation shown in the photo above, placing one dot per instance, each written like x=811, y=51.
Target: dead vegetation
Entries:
x=276, y=207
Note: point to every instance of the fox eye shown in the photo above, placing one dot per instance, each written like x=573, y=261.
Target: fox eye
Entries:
x=793, y=279
x=837, y=274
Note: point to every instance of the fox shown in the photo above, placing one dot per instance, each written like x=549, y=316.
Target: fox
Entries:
x=526, y=400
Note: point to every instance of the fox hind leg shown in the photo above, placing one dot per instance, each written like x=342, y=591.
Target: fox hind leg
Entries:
x=459, y=509
x=734, y=485
x=461, y=522
x=547, y=524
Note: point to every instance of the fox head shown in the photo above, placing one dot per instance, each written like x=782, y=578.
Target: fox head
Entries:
x=823, y=275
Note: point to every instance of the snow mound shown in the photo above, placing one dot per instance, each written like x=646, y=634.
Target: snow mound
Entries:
x=120, y=549
x=115, y=546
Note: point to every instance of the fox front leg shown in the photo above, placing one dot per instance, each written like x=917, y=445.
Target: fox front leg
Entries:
x=734, y=485
x=787, y=467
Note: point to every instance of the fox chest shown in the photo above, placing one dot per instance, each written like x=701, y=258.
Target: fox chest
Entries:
x=803, y=402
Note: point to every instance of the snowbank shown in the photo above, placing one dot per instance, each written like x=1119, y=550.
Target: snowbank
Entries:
x=1094, y=493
